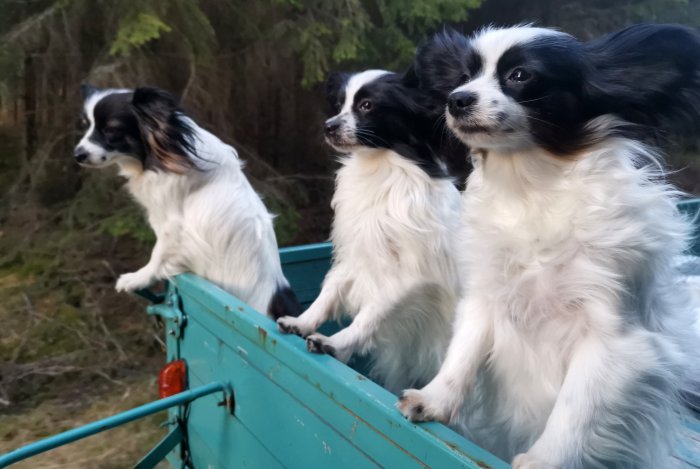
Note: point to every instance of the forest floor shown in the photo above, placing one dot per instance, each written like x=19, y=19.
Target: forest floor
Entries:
x=72, y=350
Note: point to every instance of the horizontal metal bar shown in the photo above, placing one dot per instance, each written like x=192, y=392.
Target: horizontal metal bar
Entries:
x=79, y=433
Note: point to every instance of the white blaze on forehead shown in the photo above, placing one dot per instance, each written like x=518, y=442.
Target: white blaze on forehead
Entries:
x=356, y=82
x=89, y=109
x=492, y=43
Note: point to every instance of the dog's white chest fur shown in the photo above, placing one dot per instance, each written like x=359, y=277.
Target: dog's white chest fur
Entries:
x=394, y=269
x=559, y=255
x=211, y=222
x=394, y=226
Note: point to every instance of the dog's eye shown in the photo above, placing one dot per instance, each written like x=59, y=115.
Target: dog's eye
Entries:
x=519, y=75
x=365, y=105
x=464, y=78
x=113, y=132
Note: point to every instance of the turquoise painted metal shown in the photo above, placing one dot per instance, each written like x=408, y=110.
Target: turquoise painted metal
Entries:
x=286, y=407
x=99, y=426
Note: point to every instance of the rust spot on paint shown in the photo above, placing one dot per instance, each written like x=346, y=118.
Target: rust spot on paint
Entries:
x=483, y=465
x=262, y=335
x=227, y=308
x=274, y=341
x=360, y=377
x=240, y=308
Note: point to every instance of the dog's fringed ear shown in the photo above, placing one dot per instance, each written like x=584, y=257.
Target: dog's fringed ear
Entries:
x=648, y=74
x=169, y=139
x=441, y=61
x=410, y=79
x=335, y=90
x=87, y=90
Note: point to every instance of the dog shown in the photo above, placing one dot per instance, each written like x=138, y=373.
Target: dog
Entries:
x=573, y=339
x=206, y=216
x=396, y=213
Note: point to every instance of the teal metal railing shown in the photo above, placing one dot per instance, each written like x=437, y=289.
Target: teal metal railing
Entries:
x=99, y=426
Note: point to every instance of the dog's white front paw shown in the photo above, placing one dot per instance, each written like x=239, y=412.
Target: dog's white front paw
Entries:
x=417, y=405
x=319, y=343
x=530, y=461
x=134, y=281
x=292, y=325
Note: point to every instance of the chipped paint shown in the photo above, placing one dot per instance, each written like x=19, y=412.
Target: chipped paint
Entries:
x=262, y=336
x=326, y=447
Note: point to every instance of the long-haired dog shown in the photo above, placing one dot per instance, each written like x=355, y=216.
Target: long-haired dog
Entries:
x=573, y=339
x=396, y=215
x=206, y=216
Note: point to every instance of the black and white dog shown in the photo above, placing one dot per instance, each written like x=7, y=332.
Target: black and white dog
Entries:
x=206, y=216
x=396, y=216
x=573, y=339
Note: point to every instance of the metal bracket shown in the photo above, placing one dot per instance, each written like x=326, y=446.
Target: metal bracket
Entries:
x=229, y=400
x=161, y=450
x=170, y=312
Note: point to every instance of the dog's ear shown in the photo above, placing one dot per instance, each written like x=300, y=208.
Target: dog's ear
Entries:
x=335, y=90
x=441, y=61
x=168, y=136
x=410, y=79
x=648, y=73
x=87, y=90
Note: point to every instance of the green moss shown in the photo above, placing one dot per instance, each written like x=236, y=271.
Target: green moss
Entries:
x=128, y=223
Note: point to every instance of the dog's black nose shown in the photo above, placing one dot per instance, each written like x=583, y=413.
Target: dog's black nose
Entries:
x=331, y=126
x=459, y=102
x=80, y=154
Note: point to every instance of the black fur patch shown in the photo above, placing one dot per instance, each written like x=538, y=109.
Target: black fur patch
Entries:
x=554, y=95
x=116, y=127
x=446, y=61
x=648, y=74
x=284, y=302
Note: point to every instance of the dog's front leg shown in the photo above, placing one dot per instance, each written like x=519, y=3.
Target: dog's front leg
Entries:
x=442, y=398
x=148, y=274
x=321, y=310
x=592, y=401
x=355, y=337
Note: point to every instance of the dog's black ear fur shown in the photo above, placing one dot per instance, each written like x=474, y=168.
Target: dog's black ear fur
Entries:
x=410, y=77
x=168, y=136
x=335, y=90
x=441, y=61
x=648, y=74
x=87, y=90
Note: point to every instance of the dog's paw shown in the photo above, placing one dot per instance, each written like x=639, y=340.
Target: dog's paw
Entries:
x=417, y=406
x=289, y=325
x=133, y=281
x=529, y=461
x=319, y=343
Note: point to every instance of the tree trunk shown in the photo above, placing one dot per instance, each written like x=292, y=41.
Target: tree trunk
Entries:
x=30, y=129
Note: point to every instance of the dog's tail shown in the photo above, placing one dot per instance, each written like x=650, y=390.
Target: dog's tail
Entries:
x=284, y=302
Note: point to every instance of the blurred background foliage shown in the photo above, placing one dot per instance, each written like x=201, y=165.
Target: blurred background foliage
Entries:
x=71, y=349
